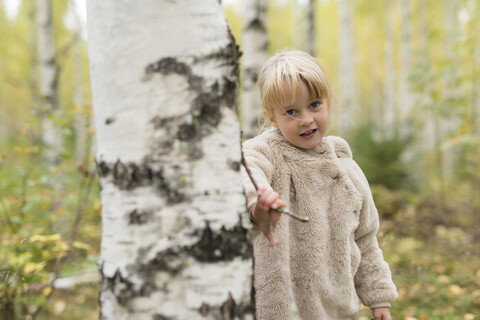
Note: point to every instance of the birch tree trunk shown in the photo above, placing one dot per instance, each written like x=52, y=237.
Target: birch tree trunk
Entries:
x=51, y=134
x=255, y=53
x=429, y=142
x=451, y=91
x=389, y=110
x=78, y=102
x=405, y=51
x=174, y=243
x=311, y=27
x=476, y=84
x=347, y=66
x=475, y=114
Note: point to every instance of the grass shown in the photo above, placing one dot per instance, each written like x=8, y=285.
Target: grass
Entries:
x=437, y=278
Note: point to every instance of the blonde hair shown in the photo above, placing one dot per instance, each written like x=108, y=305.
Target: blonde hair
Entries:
x=291, y=69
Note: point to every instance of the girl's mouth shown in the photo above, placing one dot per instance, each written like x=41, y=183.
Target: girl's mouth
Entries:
x=308, y=134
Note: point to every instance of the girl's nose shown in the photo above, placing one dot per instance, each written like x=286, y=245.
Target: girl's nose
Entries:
x=306, y=120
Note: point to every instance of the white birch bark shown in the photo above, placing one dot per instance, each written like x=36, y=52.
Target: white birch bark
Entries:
x=389, y=110
x=174, y=244
x=311, y=27
x=347, y=66
x=255, y=53
x=51, y=134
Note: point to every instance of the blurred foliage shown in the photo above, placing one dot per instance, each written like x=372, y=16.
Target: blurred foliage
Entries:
x=39, y=242
x=380, y=158
x=46, y=232
x=426, y=184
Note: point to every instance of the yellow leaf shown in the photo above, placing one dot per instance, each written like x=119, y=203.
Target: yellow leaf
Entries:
x=444, y=279
x=97, y=205
x=468, y=316
x=59, y=307
x=80, y=245
x=46, y=291
x=424, y=316
x=32, y=267
x=455, y=290
x=430, y=288
x=41, y=238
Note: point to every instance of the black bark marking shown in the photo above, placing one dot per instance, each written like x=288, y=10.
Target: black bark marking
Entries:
x=204, y=309
x=256, y=24
x=139, y=217
x=205, y=109
x=161, y=317
x=224, y=245
x=109, y=120
x=228, y=308
x=234, y=165
x=121, y=288
x=252, y=75
x=128, y=176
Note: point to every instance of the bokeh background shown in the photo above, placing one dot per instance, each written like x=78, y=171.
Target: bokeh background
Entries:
x=406, y=74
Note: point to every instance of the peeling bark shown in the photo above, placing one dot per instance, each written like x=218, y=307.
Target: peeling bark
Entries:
x=175, y=243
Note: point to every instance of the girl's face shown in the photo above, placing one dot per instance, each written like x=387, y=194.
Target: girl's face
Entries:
x=304, y=122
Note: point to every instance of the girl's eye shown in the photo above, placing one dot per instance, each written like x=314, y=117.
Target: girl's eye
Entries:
x=315, y=105
x=291, y=112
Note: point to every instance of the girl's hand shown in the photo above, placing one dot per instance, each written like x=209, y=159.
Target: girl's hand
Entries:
x=268, y=200
x=381, y=314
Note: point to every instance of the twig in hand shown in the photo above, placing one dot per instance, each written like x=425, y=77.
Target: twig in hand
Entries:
x=293, y=215
x=281, y=209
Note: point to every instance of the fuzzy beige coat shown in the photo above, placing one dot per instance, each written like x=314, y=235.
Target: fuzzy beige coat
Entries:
x=330, y=261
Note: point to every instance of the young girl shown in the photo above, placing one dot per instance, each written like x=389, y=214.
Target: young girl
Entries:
x=333, y=259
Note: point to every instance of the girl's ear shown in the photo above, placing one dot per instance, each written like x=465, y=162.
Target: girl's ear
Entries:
x=270, y=118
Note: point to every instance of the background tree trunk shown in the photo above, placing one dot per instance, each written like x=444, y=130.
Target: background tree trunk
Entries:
x=255, y=53
x=405, y=53
x=451, y=91
x=389, y=109
x=80, y=115
x=311, y=27
x=174, y=244
x=346, y=67
x=428, y=117
x=51, y=134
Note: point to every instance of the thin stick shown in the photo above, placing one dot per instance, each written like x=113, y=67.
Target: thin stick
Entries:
x=282, y=209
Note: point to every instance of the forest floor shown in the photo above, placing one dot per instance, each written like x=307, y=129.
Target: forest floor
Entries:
x=437, y=278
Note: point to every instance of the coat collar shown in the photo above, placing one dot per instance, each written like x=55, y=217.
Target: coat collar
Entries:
x=275, y=138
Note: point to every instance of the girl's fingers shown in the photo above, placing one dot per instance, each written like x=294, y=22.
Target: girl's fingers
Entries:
x=266, y=199
x=271, y=198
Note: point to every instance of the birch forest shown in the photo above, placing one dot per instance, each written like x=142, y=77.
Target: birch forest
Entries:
x=120, y=131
